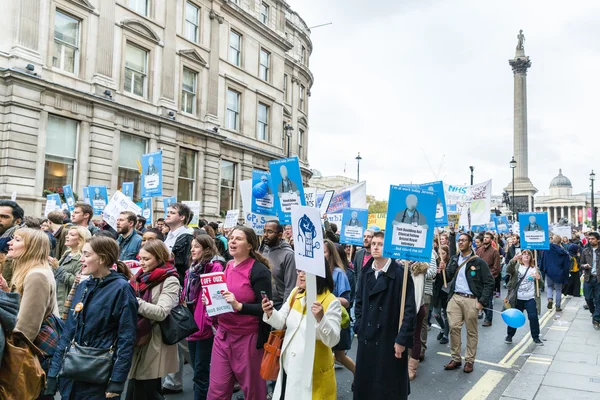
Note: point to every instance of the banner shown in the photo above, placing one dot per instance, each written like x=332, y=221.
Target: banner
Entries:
x=167, y=201
x=127, y=190
x=231, y=219
x=310, y=195
x=152, y=174
x=287, y=186
x=195, y=207
x=441, y=217
x=252, y=219
x=473, y=203
x=350, y=196
x=69, y=197
x=377, y=219
x=147, y=212
x=501, y=223
x=263, y=201
x=410, y=224
x=99, y=198
x=118, y=203
x=308, y=240
x=354, y=223
x=534, y=230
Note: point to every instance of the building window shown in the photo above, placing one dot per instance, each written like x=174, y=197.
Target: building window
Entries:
x=192, y=21
x=188, y=91
x=300, y=144
x=302, y=93
x=136, y=69
x=227, y=190
x=130, y=152
x=61, y=151
x=265, y=63
x=187, y=175
x=264, y=13
x=285, y=88
x=139, y=6
x=263, y=122
x=233, y=110
x=303, y=55
x=66, y=43
x=235, y=48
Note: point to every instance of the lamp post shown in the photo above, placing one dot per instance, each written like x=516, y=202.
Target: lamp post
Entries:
x=358, y=158
x=288, y=132
x=472, y=168
x=594, y=220
x=513, y=165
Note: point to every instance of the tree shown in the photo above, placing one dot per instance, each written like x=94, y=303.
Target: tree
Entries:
x=376, y=206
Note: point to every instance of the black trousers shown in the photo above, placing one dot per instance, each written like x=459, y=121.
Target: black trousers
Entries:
x=144, y=390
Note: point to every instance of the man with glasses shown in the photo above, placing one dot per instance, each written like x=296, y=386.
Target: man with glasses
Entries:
x=283, y=264
x=471, y=288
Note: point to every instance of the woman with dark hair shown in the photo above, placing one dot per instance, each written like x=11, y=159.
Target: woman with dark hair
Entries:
x=440, y=295
x=205, y=260
x=328, y=314
x=104, y=315
x=241, y=334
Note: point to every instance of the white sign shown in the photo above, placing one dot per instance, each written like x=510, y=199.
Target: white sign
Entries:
x=535, y=236
x=288, y=200
x=13, y=196
x=213, y=287
x=195, y=207
x=310, y=195
x=326, y=201
x=117, y=204
x=473, y=203
x=409, y=235
x=50, y=206
x=232, y=218
x=308, y=240
x=563, y=231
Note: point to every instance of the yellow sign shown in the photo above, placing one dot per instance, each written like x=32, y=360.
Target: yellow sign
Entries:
x=453, y=220
x=377, y=220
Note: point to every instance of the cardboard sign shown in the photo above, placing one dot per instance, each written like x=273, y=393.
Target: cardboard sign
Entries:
x=231, y=218
x=308, y=240
x=213, y=287
x=117, y=204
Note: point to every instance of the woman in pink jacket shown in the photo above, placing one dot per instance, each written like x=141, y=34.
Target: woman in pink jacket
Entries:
x=205, y=259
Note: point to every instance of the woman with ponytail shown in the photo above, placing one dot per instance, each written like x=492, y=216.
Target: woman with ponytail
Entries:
x=238, y=344
x=103, y=314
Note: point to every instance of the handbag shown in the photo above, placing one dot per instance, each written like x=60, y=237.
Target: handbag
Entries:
x=269, y=366
x=510, y=301
x=22, y=375
x=345, y=318
x=178, y=325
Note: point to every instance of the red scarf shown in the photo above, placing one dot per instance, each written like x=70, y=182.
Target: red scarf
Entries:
x=143, y=281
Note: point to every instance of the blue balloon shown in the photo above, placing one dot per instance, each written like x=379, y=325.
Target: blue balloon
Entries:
x=260, y=190
x=513, y=318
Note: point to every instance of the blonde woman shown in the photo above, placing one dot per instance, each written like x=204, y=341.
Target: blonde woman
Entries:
x=69, y=265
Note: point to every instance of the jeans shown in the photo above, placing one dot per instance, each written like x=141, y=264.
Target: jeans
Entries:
x=200, y=353
x=591, y=292
x=489, y=314
x=532, y=315
x=552, y=286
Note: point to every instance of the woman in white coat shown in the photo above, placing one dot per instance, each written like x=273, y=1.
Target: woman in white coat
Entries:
x=292, y=382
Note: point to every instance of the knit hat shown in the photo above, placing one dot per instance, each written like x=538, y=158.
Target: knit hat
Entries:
x=573, y=250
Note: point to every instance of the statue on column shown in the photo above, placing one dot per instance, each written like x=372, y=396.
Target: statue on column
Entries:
x=521, y=39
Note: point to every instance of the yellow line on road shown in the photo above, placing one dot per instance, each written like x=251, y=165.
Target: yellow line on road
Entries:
x=539, y=362
x=485, y=385
x=526, y=338
x=476, y=361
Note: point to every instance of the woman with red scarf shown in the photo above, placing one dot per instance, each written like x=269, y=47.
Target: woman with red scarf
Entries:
x=157, y=287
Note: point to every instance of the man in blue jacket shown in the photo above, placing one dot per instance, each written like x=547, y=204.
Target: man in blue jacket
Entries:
x=129, y=241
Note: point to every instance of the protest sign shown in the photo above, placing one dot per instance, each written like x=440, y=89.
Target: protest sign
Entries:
x=308, y=240
x=69, y=197
x=534, y=230
x=263, y=201
x=354, y=223
x=410, y=223
x=147, y=206
x=501, y=223
x=99, y=198
x=152, y=174
x=310, y=195
x=473, y=203
x=167, y=201
x=441, y=217
x=57, y=201
x=326, y=201
x=86, y=195
x=562, y=231
x=287, y=186
x=453, y=220
x=195, y=207
x=117, y=204
x=50, y=206
x=127, y=189
x=213, y=287
x=251, y=219
x=231, y=219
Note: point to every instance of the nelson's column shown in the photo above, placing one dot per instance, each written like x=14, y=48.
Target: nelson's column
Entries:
x=523, y=189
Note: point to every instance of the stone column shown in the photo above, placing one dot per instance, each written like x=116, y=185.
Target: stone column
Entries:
x=105, y=48
x=167, y=96
x=212, y=113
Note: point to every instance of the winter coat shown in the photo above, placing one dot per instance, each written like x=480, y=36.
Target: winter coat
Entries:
x=283, y=270
x=587, y=257
x=9, y=308
x=129, y=246
x=69, y=267
x=379, y=374
x=511, y=270
x=479, y=278
x=556, y=264
x=108, y=317
x=492, y=257
x=156, y=359
x=181, y=252
x=295, y=345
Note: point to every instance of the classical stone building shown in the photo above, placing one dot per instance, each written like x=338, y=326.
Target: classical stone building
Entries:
x=88, y=86
x=329, y=182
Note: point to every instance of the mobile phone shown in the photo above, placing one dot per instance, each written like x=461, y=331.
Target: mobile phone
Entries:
x=263, y=294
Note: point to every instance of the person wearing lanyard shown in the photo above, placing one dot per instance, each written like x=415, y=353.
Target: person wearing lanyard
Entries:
x=471, y=287
x=591, y=285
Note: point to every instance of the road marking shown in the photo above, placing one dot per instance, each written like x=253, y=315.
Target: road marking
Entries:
x=485, y=385
x=476, y=361
x=559, y=328
x=540, y=358
x=539, y=362
x=526, y=338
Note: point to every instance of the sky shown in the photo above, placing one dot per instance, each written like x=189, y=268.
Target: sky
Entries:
x=423, y=90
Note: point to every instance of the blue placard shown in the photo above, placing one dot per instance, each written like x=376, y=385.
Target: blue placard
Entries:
x=410, y=223
x=263, y=199
x=147, y=208
x=99, y=198
x=441, y=216
x=287, y=187
x=86, y=195
x=533, y=227
x=501, y=224
x=354, y=223
x=152, y=174
x=69, y=197
x=56, y=198
x=167, y=201
x=127, y=190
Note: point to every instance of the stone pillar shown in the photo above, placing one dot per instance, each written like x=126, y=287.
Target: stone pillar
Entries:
x=167, y=96
x=105, y=48
x=212, y=113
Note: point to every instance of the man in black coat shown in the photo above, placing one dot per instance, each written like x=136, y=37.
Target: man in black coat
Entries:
x=471, y=287
x=382, y=356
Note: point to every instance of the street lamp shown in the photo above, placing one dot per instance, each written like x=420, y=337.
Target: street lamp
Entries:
x=358, y=158
x=594, y=221
x=288, y=132
x=513, y=165
x=472, y=168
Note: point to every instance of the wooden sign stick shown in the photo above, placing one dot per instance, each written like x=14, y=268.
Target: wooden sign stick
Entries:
x=404, y=283
x=537, y=271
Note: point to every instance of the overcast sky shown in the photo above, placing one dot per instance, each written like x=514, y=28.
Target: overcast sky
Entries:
x=415, y=84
